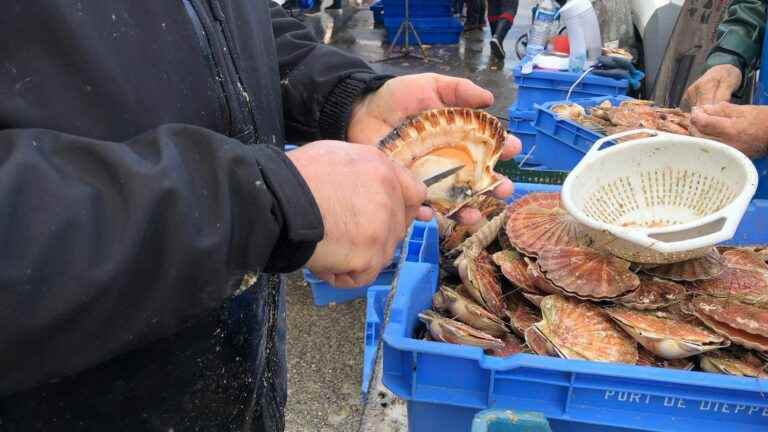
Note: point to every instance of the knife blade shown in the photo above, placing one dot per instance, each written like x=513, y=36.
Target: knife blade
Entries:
x=429, y=181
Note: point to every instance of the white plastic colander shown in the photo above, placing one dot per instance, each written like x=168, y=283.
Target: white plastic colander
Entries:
x=662, y=199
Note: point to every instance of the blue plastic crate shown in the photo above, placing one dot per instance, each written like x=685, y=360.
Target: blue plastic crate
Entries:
x=377, y=8
x=521, y=125
x=446, y=385
x=432, y=31
x=325, y=294
x=542, y=86
x=418, y=8
x=374, y=317
x=561, y=143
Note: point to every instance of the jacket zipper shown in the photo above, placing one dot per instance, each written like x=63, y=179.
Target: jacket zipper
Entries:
x=238, y=115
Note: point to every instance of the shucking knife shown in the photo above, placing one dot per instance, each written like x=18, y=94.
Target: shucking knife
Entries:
x=429, y=181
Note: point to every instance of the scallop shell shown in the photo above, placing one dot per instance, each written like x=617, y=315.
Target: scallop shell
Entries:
x=667, y=338
x=521, y=316
x=587, y=273
x=511, y=346
x=653, y=293
x=539, y=344
x=743, y=324
x=542, y=284
x=482, y=282
x=440, y=139
x=647, y=358
x=463, y=309
x=452, y=331
x=706, y=267
x=515, y=269
x=725, y=363
x=538, y=220
x=581, y=330
x=737, y=283
x=746, y=259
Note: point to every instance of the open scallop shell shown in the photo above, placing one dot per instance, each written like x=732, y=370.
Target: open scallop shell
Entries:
x=441, y=139
x=538, y=220
x=587, y=273
x=511, y=346
x=706, y=267
x=653, y=293
x=743, y=324
x=515, y=269
x=581, y=330
x=667, y=338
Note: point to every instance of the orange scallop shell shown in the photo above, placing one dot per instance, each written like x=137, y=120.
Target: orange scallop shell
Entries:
x=743, y=324
x=587, y=273
x=520, y=315
x=539, y=344
x=653, y=293
x=515, y=269
x=440, y=139
x=747, y=285
x=538, y=220
x=482, y=283
x=706, y=267
x=746, y=259
x=581, y=330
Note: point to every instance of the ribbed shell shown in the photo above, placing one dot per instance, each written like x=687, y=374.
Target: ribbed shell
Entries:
x=743, y=324
x=463, y=309
x=538, y=220
x=706, y=267
x=520, y=315
x=580, y=330
x=440, y=139
x=746, y=259
x=515, y=269
x=667, y=338
x=539, y=344
x=720, y=362
x=587, y=273
x=653, y=293
x=451, y=331
x=747, y=286
x=482, y=282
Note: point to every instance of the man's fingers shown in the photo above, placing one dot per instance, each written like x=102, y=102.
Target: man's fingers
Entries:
x=711, y=125
x=722, y=94
x=512, y=147
x=504, y=190
x=425, y=214
x=722, y=109
x=460, y=92
x=414, y=192
x=469, y=216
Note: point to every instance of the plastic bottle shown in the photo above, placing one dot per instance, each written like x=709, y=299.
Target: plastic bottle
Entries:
x=543, y=22
x=584, y=38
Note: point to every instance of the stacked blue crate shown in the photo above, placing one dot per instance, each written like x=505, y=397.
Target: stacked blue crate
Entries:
x=433, y=20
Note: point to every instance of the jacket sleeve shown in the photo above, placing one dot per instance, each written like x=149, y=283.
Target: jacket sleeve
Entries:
x=108, y=246
x=320, y=84
x=740, y=36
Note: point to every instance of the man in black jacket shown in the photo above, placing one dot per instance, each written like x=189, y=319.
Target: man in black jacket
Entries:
x=142, y=176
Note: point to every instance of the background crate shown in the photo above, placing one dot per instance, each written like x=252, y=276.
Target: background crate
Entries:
x=445, y=385
x=521, y=126
x=432, y=31
x=561, y=143
x=418, y=9
x=325, y=294
x=545, y=86
x=537, y=175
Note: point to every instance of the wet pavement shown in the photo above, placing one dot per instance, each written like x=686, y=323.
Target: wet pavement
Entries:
x=325, y=345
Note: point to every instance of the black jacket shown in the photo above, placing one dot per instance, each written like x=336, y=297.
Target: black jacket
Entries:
x=142, y=174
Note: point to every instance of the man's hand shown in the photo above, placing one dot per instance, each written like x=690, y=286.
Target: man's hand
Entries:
x=715, y=86
x=741, y=126
x=376, y=115
x=367, y=202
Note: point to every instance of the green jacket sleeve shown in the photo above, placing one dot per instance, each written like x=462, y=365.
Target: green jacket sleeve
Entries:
x=740, y=36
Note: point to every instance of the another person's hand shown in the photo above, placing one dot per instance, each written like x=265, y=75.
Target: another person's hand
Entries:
x=399, y=98
x=715, y=86
x=367, y=203
x=741, y=126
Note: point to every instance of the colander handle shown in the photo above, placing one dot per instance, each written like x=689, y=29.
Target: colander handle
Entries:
x=599, y=143
x=686, y=242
